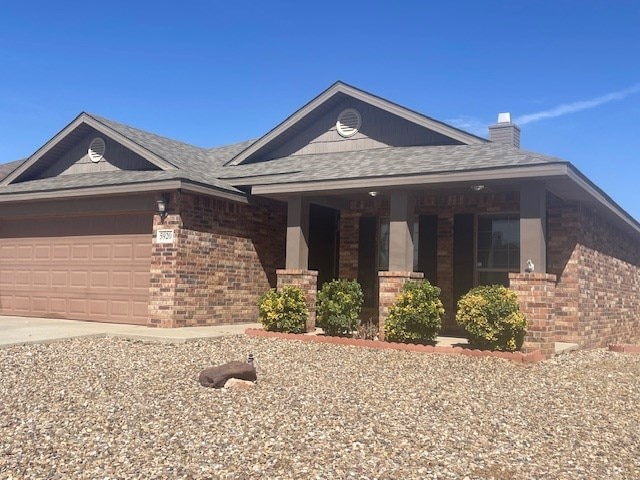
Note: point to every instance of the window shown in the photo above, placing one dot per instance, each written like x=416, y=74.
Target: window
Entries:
x=498, y=248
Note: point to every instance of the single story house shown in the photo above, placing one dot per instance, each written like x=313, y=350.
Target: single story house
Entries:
x=106, y=222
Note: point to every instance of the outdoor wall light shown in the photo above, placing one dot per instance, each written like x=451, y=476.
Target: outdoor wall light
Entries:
x=477, y=188
x=373, y=194
x=162, y=206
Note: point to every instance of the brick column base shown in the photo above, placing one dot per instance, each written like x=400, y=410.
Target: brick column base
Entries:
x=391, y=284
x=536, y=297
x=307, y=280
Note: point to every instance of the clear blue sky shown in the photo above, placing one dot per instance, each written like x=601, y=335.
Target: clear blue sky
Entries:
x=211, y=73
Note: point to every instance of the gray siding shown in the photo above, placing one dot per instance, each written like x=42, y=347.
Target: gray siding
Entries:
x=76, y=159
x=379, y=129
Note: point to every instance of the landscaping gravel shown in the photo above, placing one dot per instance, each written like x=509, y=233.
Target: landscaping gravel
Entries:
x=112, y=408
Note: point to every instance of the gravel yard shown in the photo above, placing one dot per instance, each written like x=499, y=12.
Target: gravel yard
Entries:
x=110, y=408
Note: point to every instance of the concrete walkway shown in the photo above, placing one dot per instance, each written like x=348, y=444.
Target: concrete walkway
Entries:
x=23, y=330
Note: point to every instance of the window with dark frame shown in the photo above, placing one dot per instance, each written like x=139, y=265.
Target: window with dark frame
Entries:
x=498, y=248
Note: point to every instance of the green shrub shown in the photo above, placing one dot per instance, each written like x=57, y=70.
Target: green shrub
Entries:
x=492, y=319
x=284, y=310
x=416, y=316
x=338, y=307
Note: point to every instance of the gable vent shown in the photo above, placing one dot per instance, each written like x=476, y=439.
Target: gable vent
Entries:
x=349, y=122
x=97, y=148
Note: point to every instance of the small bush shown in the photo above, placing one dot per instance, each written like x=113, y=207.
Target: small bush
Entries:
x=338, y=307
x=284, y=310
x=492, y=319
x=416, y=316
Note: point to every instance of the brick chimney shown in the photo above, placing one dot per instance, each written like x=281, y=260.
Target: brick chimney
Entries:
x=504, y=131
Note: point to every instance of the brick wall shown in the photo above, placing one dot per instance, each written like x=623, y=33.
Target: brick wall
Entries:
x=609, y=283
x=598, y=270
x=224, y=256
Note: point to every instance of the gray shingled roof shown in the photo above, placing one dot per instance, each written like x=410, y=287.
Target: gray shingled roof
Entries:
x=206, y=166
x=7, y=168
x=392, y=161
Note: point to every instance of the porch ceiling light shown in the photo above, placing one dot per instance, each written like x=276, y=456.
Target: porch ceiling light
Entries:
x=477, y=188
x=373, y=194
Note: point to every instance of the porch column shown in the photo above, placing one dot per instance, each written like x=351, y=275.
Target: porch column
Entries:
x=536, y=290
x=297, y=234
x=400, y=232
x=533, y=226
x=537, y=300
x=296, y=272
x=400, y=255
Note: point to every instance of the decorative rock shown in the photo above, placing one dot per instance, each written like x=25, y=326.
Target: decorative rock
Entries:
x=216, y=377
x=237, y=384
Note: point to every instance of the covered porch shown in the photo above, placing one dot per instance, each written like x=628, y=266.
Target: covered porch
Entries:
x=456, y=235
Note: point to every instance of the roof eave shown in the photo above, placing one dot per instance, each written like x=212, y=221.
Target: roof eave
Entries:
x=133, y=187
x=364, y=183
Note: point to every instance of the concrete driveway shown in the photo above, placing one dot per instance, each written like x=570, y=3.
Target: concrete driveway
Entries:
x=24, y=330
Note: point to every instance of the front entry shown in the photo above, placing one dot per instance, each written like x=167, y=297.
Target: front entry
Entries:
x=323, y=242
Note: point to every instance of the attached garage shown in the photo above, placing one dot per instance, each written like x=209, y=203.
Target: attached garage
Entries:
x=86, y=267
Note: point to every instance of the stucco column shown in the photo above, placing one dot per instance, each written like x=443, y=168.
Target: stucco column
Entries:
x=533, y=226
x=297, y=234
x=401, y=232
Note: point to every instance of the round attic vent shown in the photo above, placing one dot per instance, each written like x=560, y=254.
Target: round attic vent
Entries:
x=349, y=122
x=96, y=149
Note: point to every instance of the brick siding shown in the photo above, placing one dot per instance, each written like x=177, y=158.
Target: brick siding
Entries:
x=225, y=255
x=598, y=270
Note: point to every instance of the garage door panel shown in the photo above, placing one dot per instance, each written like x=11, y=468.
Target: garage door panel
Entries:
x=99, y=307
x=40, y=305
x=8, y=252
x=60, y=278
x=78, y=306
x=78, y=278
x=61, y=252
x=40, y=278
x=141, y=280
x=143, y=249
x=103, y=277
x=24, y=252
x=121, y=279
x=80, y=252
x=99, y=279
x=7, y=278
x=123, y=251
x=22, y=278
x=101, y=251
x=42, y=252
x=21, y=303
